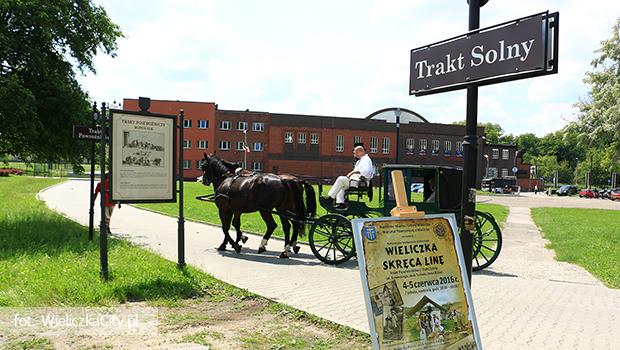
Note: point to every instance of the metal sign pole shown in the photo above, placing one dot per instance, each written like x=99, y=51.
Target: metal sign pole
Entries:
x=91, y=210
x=181, y=221
x=470, y=152
x=103, y=228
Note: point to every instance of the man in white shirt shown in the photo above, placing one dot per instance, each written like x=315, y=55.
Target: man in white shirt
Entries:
x=363, y=170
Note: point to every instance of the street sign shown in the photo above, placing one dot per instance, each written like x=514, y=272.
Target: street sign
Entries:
x=515, y=170
x=83, y=132
x=518, y=49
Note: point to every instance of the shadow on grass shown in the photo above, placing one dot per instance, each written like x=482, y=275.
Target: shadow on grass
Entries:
x=43, y=234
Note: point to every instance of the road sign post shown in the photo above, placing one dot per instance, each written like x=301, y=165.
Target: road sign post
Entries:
x=518, y=49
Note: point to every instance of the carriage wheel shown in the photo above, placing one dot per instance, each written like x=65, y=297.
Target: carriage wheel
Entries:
x=487, y=241
x=331, y=239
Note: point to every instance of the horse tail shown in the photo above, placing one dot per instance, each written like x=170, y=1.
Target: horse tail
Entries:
x=310, y=199
x=296, y=190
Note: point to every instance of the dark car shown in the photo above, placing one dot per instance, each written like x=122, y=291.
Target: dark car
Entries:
x=567, y=190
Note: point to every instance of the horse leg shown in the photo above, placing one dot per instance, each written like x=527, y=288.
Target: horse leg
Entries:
x=226, y=218
x=286, y=227
x=236, y=222
x=271, y=226
x=296, y=228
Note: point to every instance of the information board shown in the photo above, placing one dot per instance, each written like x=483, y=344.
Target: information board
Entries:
x=143, y=157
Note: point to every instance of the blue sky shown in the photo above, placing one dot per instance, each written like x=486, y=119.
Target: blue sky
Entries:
x=343, y=58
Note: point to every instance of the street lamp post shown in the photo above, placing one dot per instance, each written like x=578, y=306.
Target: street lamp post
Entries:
x=397, y=114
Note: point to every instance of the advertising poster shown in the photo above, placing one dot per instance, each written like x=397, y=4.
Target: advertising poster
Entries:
x=143, y=157
x=415, y=285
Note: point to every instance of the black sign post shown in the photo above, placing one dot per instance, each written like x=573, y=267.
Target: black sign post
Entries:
x=91, y=211
x=103, y=227
x=523, y=48
x=181, y=219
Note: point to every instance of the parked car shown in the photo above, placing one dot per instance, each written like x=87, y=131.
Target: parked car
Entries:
x=614, y=195
x=587, y=193
x=567, y=190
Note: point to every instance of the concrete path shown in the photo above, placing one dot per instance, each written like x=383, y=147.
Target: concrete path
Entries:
x=525, y=300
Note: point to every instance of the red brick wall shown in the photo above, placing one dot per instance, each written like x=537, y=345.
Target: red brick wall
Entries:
x=233, y=136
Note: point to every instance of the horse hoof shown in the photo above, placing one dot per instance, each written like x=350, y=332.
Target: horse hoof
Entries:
x=238, y=248
x=261, y=250
x=296, y=249
x=283, y=255
x=244, y=239
x=221, y=248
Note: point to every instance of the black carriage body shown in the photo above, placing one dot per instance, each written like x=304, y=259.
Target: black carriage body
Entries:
x=448, y=185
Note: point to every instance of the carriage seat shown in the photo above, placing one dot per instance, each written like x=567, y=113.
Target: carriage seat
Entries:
x=360, y=188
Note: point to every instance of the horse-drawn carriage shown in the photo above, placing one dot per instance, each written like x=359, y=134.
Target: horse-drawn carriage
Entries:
x=330, y=236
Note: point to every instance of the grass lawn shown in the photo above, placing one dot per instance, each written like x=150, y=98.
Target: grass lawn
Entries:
x=47, y=260
x=587, y=237
x=201, y=211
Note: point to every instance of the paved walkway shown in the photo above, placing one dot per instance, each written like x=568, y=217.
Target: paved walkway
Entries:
x=525, y=300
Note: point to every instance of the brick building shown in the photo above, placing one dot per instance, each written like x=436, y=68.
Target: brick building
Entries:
x=321, y=146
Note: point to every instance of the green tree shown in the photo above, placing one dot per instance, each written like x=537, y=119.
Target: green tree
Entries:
x=528, y=144
x=43, y=44
x=598, y=125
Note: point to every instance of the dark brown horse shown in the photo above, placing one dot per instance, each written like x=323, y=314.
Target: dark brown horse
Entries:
x=265, y=193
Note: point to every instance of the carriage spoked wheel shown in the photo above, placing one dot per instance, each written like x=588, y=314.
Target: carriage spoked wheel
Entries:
x=331, y=239
x=487, y=241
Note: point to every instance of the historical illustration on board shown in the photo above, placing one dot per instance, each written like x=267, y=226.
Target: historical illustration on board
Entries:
x=143, y=149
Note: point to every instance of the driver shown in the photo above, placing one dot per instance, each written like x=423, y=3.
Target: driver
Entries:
x=363, y=170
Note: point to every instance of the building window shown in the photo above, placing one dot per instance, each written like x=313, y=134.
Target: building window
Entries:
x=357, y=140
x=504, y=172
x=422, y=145
x=203, y=124
x=385, y=147
x=225, y=125
x=301, y=137
x=258, y=126
x=186, y=164
x=435, y=145
x=495, y=153
x=199, y=164
x=240, y=146
x=505, y=154
x=447, y=147
x=410, y=144
x=288, y=137
x=187, y=123
x=187, y=144
x=373, y=145
x=257, y=166
x=224, y=145
x=203, y=144
x=339, y=143
x=492, y=172
x=241, y=126
x=258, y=147
x=314, y=138
x=459, y=148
